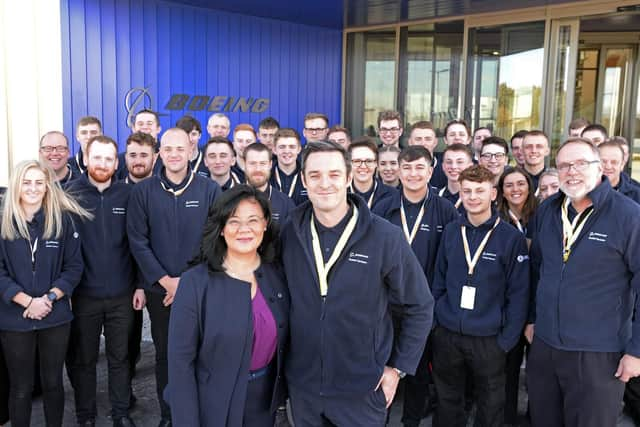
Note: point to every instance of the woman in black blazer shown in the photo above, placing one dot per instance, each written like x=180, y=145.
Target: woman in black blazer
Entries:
x=229, y=325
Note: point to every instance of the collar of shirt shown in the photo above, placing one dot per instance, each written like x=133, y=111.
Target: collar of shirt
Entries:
x=171, y=184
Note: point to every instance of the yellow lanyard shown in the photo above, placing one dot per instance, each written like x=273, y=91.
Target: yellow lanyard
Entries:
x=471, y=262
x=293, y=183
x=457, y=203
x=416, y=226
x=373, y=193
x=322, y=268
x=571, y=229
x=178, y=193
x=516, y=221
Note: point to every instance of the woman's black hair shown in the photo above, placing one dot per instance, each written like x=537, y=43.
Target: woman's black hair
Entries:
x=213, y=247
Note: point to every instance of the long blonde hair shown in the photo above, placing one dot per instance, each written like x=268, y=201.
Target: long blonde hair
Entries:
x=54, y=204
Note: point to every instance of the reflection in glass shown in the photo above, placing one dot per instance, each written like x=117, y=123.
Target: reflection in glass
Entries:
x=560, y=82
x=370, y=79
x=617, y=63
x=504, y=78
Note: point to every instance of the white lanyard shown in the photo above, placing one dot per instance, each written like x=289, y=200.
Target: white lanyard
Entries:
x=80, y=168
x=293, y=183
x=416, y=225
x=322, y=268
x=516, y=221
x=179, y=192
x=471, y=262
x=198, y=160
x=34, y=248
x=457, y=203
x=373, y=193
x=571, y=229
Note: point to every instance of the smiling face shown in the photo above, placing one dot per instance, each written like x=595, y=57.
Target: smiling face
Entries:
x=415, y=175
x=612, y=159
x=494, y=158
x=536, y=148
x=388, y=167
x=363, y=162
x=32, y=189
x=548, y=186
x=457, y=134
x=102, y=161
x=515, y=189
x=54, y=151
x=139, y=159
x=219, y=158
x=287, y=150
x=477, y=197
x=517, y=151
x=454, y=162
x=241, y=139
x=244, y=229
x=326, y=180
x=425, y=137
x=147, y=123
x=578, y=169
x=390, y=132
x=257, y=168
x=175, y=151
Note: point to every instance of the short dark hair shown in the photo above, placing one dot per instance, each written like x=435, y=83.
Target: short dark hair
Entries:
x=390, y=115
x=413, y=153
x=268, y=123
x=219, y=140
x=188, y=123
x=620, y=140
x=384, y=148
x=519, y=134
x=258, y=147
x=597, y=127
x=612, y=142
x=364, y=143
x=535, y=133
x=482, y=128
x=148, y=111
x=530, y=204
x=476, y=173
x=213, y=247
x=457, y=122
x=312, y=116
x=495, y=140
x=579, y=123
x=89, y=120
x=338, y=128
x=142, y=139
x=459, y=148
x=325, y=147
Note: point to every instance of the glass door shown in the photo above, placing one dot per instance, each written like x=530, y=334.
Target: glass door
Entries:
x=563, y=56
x=614, y=88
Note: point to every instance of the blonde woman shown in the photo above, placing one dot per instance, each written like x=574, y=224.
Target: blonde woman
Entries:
x=40, y=264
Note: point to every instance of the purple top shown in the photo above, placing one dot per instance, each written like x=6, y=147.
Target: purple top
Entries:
x=265, y=336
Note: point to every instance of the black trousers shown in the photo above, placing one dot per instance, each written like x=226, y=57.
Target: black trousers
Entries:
x=20, y=353
x=135, y=337
x=572, y=388
x=416, y=390
x=257, y=408
x=4, y=389
x=159, y=317
x=455, y=356
x=91, y=315
x=514, y=362
x=367, y=410
x=632, y=398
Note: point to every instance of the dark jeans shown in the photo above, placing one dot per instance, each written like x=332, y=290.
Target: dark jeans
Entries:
x=514, y=362
x=91, y=315
x=4, y=389
x=159, y=316
x=416, y=390
x=455, y=356
x=572, y=388
x=135, y=337
x=20, y=352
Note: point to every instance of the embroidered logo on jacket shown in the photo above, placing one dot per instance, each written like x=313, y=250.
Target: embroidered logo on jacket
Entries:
x=51, y=244
x=359, y=258
x=119, y=211
x=192, y=204
x=598, y=237
x=489, y=256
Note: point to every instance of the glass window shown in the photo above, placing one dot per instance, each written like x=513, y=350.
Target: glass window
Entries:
x=429, y=70
x=504, y=77
x=370, y=79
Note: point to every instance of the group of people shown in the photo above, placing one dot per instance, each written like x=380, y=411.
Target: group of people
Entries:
x=323, y=274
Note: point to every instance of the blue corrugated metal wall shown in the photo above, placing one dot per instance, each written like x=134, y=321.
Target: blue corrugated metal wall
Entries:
x=111, y=46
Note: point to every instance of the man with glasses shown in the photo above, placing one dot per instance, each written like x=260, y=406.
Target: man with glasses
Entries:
x=87, y=128
x=493, y=156
x=364, y=160
x=422, y=216
x=585, y=256
x=54, y=152
x=316, y=127
x=390, y=128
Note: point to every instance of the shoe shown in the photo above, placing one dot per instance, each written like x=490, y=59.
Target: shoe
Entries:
x=123, y=422
x=88, y=423
x=165, y=422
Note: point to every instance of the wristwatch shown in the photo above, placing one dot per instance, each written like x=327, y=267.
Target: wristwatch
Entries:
x=401, y=374
x=51, y=296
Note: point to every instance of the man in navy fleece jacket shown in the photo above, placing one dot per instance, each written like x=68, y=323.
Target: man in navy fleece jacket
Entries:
x=586, y=266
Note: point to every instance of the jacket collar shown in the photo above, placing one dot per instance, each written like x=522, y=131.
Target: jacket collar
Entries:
x=464, y=220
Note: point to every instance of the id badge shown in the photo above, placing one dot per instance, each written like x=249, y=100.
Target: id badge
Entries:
x=468, y=297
